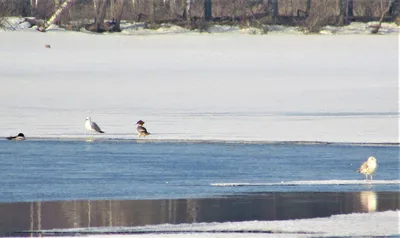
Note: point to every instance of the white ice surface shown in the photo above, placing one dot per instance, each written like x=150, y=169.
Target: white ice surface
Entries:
x=341, y=88
x=356, y=224
x=310, y=182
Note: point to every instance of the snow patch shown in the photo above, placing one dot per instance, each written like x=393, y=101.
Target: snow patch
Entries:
x=356, y=224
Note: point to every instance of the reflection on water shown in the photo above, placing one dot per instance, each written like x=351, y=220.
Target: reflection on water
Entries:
x=368, y=200
x=37, y=216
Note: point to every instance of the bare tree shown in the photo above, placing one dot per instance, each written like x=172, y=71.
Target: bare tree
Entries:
x=273, y=10
x=320, y=14
x=207, y=10
x=172, y=4
x=100, y=14
x=34, y=6
x=350, y=9
x=301, y=13
x=152, y=11
x=341, y=5
x=117, y=7
x=308, y=7
x=346, y=11
x=188, y=8
x=384, y=9
x=61, y=8
x=394, y=8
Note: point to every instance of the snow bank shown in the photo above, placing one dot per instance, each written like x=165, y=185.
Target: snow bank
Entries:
x=357, y=224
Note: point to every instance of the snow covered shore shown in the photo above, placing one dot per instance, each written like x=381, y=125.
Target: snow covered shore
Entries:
x=137, y=28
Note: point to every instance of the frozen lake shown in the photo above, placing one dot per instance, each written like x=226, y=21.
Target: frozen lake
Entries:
x=230, y=115
x=201, y=87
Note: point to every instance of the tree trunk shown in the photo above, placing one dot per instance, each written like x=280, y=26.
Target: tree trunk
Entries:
x=117, y=9
x=26, y=8
x=308, y=7
x=100, y=11
x=394, y=9
x=384, y=10
x=112, y=7
x=233, y=16
x=56, y=16
x=33, y=7
x=187, y=10
x=207, y=10
x=152, y=11
x=172, y=8
x=119, y=16
x=273, y=10
x=341, y=5
x=350, y=9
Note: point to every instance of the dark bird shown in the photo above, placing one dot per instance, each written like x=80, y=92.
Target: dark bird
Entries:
x=20, y=136
x=141, y=130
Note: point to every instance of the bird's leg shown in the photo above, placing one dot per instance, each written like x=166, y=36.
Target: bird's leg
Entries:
x=90, y=138
x=366, y=177
x=371, y=177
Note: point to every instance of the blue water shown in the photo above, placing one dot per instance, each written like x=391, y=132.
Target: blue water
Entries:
x=48, y=170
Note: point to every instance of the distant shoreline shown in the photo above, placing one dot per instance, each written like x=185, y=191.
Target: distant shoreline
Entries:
x=131, y=28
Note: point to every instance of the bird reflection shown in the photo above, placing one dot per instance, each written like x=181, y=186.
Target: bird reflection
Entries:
x=368, y=200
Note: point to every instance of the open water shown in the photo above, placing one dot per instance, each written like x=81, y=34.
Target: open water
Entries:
x=53, y=170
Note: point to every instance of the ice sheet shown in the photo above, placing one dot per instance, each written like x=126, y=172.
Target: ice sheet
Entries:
x=310, y=182
x=201, y=86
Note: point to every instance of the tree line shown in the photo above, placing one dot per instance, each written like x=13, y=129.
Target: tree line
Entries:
x=106, y=15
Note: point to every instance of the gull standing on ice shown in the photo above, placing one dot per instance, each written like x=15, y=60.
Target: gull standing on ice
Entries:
x=20, y=136
x=92, y=126
x=141, y=130
x=368, y=167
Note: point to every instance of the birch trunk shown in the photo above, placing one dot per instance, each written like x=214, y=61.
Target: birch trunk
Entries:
x=188, y=9
x=172, y=8
x=33, y=7
x=53, y=19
